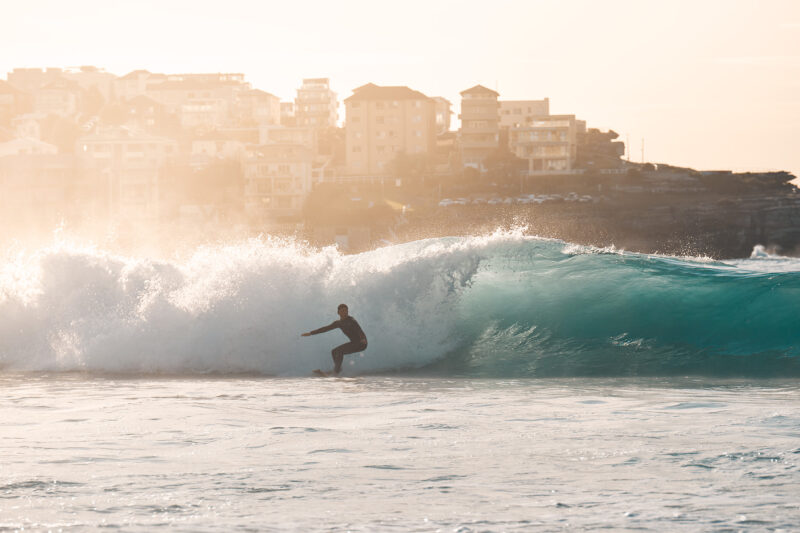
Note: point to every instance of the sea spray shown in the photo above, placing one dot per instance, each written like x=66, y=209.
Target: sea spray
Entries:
x=502, y=305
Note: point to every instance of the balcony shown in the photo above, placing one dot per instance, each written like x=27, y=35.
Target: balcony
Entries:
x=467, y=114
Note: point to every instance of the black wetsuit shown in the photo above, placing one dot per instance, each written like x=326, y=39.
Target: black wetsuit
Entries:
x=358, y=341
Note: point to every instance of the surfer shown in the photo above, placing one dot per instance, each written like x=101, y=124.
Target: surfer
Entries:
x=349, y=326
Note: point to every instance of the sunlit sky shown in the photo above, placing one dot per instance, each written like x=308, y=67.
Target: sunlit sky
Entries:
x=706, y=83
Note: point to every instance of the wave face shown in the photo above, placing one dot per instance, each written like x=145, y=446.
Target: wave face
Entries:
x=502, y=305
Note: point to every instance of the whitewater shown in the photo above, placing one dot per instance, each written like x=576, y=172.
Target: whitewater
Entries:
x=511, y=383
x=501, y=305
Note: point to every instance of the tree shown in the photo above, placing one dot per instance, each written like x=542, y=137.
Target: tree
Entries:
x=412, y=168
x=503, y=166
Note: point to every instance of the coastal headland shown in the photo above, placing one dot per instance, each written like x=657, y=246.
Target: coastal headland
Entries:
x=664, y=209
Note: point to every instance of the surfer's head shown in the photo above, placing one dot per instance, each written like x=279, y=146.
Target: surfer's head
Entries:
x=342, y=310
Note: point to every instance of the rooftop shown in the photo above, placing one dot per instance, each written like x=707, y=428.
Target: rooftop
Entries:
x=371, y=91
x=480, y=89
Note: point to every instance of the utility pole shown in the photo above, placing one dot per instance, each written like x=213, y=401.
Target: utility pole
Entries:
x=642, y=149
x=628, y=147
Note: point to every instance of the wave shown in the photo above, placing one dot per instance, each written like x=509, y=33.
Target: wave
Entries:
x=500, y=305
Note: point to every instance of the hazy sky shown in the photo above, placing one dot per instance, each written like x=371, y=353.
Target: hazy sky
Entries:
x=709, y=84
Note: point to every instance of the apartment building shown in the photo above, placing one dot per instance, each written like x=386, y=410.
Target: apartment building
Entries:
x=256, y=107
x=288, y=135
x=136, y=83
x=211, y=90
x=27, y=146
x=549, y=144
x=131, y=165
x=13, y=102
x=516, y=113
x=443, y=113
x=32, y=79
x=287, y=114
x=383, y=122
x=479, y=135
x=91, y=78
x=61, y=97
x=277, y=182
x=316, y=105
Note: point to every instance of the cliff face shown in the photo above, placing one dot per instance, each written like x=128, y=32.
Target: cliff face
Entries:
x=671, y=211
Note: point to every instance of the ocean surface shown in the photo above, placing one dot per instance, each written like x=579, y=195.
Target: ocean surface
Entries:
x=511, y=384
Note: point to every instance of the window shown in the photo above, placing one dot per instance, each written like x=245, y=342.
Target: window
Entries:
x=379, y=120
x=417, y=118
x=417, y=133
x=356, y=148
x=417, y=104
x=356, y=120
x=380, y=149
x=355, y=105
x=379, y=105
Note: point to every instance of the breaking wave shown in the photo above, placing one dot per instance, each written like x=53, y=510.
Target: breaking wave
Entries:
x=502, y=305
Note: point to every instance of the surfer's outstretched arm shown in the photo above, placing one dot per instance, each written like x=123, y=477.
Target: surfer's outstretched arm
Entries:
x=323, y=329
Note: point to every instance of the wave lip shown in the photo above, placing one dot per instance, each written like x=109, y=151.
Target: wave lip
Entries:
x=496, y=305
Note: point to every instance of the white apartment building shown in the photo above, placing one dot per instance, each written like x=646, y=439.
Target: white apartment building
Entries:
x=277, y=182
x=316, y=105
x=517, y=113
x=548, y=143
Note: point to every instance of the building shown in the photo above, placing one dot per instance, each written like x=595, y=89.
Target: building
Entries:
x=515, y=113
x=479, y=135
x=287, y=114
x=383, y=122
x=91, y=78
x=277, y=182
x=549, y=144
x=61, y=97
x=13, y=102
x=307, y=137
x=443, y=112
x=208, y=96
x=316, y=105
x=131, y=165
x=204, y=113
x=215, y=145
x=136, y=83
x=257, y=107
x=27, y=126
x=32, y=79
x=27, y=147
x=142, y=113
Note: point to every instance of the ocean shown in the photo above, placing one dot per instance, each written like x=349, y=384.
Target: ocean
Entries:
x=511, y=384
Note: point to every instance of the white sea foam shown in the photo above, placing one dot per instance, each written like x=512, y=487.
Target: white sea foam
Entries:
x=235, y=308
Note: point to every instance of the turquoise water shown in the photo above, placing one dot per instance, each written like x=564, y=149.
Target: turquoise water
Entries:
x=502, y=305
x=511, y=384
